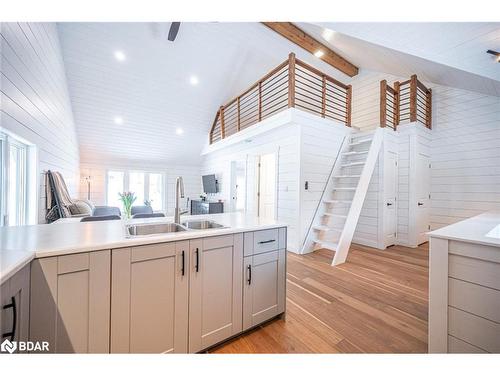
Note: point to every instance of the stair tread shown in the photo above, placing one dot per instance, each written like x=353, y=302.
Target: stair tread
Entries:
x=363, y=134
x=337, y=201
x=348, y=176
x=337, y=215
x=360, y=142
x=345, y=188
x=326, y=228
x=353, y=163
x=348, y=153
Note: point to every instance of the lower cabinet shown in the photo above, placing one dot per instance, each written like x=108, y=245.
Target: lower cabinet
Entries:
x=70, y=302
x=215, y=291
x=14, y=309
x=264, y=287
x=149, y=299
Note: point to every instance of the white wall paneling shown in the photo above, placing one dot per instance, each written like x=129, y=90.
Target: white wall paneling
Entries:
x=35, y=102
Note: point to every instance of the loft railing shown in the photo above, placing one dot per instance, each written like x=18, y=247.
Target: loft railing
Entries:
x=292, y=84
x=408, y=101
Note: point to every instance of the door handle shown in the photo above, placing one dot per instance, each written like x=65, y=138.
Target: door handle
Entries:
x=389, y=204
x=249, y=280
x=183, y=262
x=420, y=204
x=197, y=264
x=11, y=305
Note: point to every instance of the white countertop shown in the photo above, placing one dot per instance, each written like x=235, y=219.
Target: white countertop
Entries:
x=19, y=245
x=483, y=229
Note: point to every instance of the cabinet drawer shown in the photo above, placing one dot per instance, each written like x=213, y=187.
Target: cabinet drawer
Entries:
x=261, y=241
x=475, y=330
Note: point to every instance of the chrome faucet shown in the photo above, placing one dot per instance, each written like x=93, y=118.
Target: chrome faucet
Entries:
x=179, y=193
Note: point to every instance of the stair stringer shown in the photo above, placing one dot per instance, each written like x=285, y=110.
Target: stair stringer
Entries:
x=359, y=197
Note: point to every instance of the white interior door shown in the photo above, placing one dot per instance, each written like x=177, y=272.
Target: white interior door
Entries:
x=266, y=183
x=238, y=185
x=423, y=182
x=390, y=193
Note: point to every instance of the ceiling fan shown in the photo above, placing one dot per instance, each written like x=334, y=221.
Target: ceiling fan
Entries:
x=494, y=53
x=174, y=29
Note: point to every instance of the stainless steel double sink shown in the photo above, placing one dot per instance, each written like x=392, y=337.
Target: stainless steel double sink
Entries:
x=133, y=230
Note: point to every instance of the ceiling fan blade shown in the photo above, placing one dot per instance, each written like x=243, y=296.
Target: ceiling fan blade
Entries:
x=174, y=29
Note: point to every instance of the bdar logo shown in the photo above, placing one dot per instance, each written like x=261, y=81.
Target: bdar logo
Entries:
x=8, y=346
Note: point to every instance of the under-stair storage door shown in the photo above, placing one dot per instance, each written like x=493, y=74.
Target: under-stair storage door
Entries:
x=423, y=186
x=390, y=202
x=264, y=287
x=149, y=305
x=215, y=297
x=70, y=302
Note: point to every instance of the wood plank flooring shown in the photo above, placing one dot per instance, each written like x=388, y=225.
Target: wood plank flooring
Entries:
x=374, y=303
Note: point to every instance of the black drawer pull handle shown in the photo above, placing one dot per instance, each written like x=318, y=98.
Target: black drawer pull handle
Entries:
x=389, y=204
x=197, y=265
x=268, y=241
x=12, y=305
x=183, y=262
x=420, y=204
x=249, y=267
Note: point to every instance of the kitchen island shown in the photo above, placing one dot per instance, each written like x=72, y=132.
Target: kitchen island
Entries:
x=94, y=288
x=464, y=286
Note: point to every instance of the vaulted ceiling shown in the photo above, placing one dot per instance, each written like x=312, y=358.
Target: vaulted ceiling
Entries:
x=151, y=92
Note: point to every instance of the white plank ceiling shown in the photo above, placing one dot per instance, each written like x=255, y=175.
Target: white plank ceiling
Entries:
x=150, y=90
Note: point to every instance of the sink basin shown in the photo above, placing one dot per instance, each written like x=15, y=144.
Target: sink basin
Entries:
x=202, y=224
x=148, y=229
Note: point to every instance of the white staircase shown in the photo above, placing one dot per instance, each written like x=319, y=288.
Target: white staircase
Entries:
x=338, y=211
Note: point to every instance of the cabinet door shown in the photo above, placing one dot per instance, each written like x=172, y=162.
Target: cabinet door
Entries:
x=215, y=299
x=264, y=287
x=70, y=302
x=149, y=305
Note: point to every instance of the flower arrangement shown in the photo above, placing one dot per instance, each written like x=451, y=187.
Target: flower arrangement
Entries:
x=128, y=198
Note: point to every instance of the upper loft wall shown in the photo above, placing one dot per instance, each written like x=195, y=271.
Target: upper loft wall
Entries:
x=34, y=100
x=465, y=147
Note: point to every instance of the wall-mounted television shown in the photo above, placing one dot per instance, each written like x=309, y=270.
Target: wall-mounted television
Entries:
x=209, y=184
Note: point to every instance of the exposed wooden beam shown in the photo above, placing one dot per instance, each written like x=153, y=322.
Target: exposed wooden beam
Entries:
x=307, y=42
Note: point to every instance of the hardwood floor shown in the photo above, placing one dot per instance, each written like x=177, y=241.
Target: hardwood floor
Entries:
x=374, y=303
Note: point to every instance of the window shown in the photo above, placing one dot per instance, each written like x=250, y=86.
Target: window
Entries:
x=16, y=181
x=146, y=186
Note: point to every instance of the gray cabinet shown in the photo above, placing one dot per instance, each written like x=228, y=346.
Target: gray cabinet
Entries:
x=215, y=297
x=264, y=276
x=205, y=208
x=70, y=302
x=14, y=311
x=149, y=303
x=264, y=287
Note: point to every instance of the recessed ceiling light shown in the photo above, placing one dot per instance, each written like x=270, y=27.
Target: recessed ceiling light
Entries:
x=120, y=55
x=319, y=53
x=118, y=120
x=193, y=80
x=179, y=131
x=327, y=34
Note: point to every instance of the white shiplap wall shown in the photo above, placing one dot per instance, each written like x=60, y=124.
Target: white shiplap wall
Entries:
x=465, y=148
x=190, y=174
x=34, y=100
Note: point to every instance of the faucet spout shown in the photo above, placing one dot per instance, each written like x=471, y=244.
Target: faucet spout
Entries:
x=179, y=193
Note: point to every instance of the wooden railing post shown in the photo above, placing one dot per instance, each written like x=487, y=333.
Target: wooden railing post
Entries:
x=291, y=80
x=260, y=101
x=397, y=91
x=222, y=129
x=428, y=109
x=383, y=103
x=413, y=98
x=239, y=120
x=323, y=97
x=348, y=105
